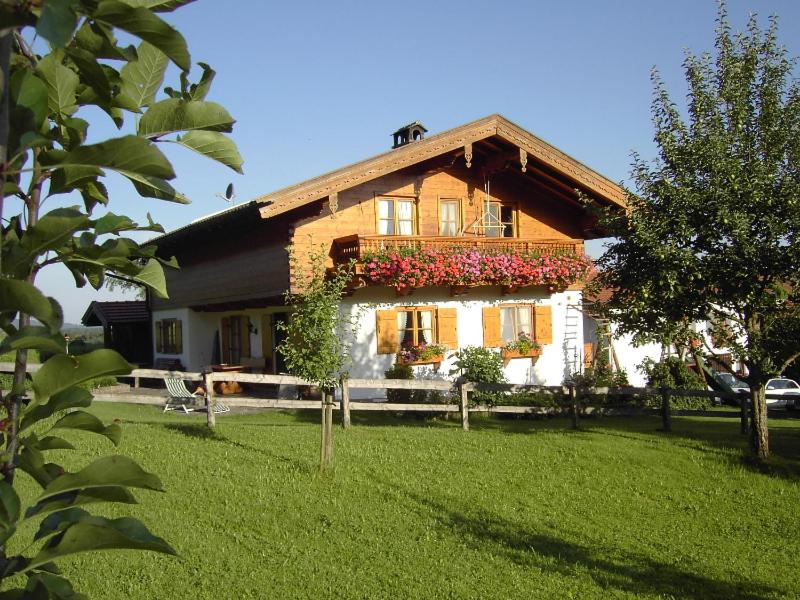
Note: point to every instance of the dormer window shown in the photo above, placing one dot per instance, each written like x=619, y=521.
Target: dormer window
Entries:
x=396, y=216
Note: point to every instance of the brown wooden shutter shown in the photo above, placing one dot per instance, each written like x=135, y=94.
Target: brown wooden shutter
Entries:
x=386, y=331
x=543, y=324
x=225, y=340
x=244, y=335
x=492, y=337
x=448, y=331
x=159, y=336
x=178, y=337
x=588, y=355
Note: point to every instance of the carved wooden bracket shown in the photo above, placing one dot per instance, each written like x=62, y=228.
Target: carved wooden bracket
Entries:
x=468, y=154
x=523, y=159
x=333, y=203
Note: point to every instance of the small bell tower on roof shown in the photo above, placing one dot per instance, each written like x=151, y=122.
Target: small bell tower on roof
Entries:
x=413, y=132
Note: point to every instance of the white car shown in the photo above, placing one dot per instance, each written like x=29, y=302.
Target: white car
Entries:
x=787, y=388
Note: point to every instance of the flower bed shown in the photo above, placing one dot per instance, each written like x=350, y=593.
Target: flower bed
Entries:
x=409, y=268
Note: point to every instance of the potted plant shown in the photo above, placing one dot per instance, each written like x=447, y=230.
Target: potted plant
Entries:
x=421, y=354
x=522, y=347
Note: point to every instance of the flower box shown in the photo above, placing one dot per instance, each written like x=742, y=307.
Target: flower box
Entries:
x=509, y=355
x=431, y=360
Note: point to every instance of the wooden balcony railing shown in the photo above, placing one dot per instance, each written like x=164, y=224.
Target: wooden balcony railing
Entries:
x=357, y=246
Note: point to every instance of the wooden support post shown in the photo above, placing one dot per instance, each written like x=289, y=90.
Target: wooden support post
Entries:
x=464, y=391
x=666, y=413
x=345, y=403
x=208, y=381
x=744, y=426
x=136, y=382
x=573, y=405
x=326, y=445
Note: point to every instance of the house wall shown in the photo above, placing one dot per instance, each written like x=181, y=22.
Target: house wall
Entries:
x=550, y=369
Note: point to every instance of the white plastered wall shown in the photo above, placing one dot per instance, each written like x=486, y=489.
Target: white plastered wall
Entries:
x=549, y=369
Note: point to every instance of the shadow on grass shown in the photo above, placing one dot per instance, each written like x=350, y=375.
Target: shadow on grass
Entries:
x=202, y=432
x=614, y=568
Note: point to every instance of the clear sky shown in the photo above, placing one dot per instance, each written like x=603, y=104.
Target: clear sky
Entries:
x=315, y=86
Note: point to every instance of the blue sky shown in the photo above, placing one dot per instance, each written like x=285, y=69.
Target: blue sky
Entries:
x=315, y=86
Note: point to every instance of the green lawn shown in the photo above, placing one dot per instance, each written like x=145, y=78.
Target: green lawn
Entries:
x=420, y=509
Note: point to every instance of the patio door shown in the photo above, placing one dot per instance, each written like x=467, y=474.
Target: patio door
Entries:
x=235, y=339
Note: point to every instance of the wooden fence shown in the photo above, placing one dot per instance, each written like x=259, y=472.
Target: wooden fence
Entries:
x=458, y=389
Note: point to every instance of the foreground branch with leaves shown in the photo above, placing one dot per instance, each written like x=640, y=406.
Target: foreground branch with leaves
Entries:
x=43, y=153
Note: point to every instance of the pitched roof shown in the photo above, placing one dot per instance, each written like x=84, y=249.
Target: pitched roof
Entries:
x=497, y=126
x=106, y=313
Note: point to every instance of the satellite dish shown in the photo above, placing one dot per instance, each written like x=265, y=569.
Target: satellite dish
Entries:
x=229, y=195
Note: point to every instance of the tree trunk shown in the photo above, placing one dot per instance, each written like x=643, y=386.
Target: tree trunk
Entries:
x=759, y=433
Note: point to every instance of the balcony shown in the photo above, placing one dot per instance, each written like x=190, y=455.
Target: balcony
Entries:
x=356, y=247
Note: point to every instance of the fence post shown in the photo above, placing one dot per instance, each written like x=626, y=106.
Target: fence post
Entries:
x=573, y=405
x=744, y=426
x=211, y=401
x=463, y=389
x=326, y=447
x=136, y=382
x=345, y=403
x=666, y=415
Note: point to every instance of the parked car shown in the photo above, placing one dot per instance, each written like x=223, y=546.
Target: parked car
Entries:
x=787, y=388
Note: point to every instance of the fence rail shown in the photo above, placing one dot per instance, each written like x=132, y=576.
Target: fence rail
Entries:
x=459, y=389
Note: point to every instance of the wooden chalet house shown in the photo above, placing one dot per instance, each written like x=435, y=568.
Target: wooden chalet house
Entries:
x=471, y=237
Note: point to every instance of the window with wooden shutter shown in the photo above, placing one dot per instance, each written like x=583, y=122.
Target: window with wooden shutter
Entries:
x=543, y=324
x=492, y=337
x=448, y=327
x=169, y=336
x=386, y=331
x=266, y=336
x=244, y=336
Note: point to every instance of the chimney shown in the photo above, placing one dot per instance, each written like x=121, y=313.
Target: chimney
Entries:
x=413, y=132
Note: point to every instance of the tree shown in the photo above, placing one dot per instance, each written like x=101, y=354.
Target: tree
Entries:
x=43, y=153
x=316, y=347
x=713, y=232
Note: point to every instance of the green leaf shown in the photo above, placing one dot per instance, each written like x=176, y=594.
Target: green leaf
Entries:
x=74, y=397
x=90, y=71
x=21, y=296
x=33, y=338
x=50, y=585
x=29, y=101
x=152, y=275
x=127, y=154
x=61, y=372
x=93, y=193
x=104, y=472
x=98, y=39
x=53, y=442
x=57, y=22
x=147, y=26
x=62, y=84
x=52, y=230
x=214, y=145
x=96, y=533
x=119, y=495
x=85, y=421
x=155, y=187
x=9, y=505
x=142, y=78
x=31, y=461
x=68, y=178
x=159, y=5
x=172, y=115
x=199, y=90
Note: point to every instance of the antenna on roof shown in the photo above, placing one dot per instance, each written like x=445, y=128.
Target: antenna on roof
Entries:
x=229, y=196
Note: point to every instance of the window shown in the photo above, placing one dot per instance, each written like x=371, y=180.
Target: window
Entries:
x=395, y=216
x=235, y=339
x=416, y=326
x=169, y=339
x=515, y=320
x=499, y=221
x=449, y=217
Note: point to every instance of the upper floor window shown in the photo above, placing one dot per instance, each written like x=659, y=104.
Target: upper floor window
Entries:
x=499, y=220
x=169, y=339
x=395, y=216
x=449, y=217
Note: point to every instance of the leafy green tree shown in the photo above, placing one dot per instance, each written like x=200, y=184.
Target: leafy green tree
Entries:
x=712, y=233
x=44, y=153
x=317, y=344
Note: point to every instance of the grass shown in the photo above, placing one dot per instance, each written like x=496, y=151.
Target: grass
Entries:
x=419, y=509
